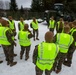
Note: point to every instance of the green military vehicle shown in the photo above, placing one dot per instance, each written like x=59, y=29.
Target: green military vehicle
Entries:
x=58, y=10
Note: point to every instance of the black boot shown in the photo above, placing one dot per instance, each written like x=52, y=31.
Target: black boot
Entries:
x=14, y=55
x=13, y=63
x=57, y=71
x=66, y=63
x=8, y=62
x=26, y=57
x=34, y=39
x=21, y=57
x=37, y=38
x=1, y=61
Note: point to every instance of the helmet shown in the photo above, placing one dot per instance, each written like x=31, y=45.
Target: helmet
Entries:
x=49, y=36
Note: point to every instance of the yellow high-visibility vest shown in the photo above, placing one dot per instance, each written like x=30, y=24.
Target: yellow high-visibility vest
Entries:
x=11, y=24
x=35, y=25
x=23, y=38
x=47, y=53
x=3, y=38
x=51, y=24
x=21, y=25
x=64, y=41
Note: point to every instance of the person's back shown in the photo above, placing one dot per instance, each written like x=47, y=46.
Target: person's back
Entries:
x=64, y=40
x=71, y=50
x=24, y=41
x=23, y=35
x=45, y=54
x=49, y=53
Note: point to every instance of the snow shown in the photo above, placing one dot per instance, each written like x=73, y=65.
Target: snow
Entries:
x=27, y=67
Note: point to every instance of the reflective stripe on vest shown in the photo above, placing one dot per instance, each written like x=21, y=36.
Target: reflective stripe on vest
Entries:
x=73, y=31
x=47, y=53
x=21, y=25
x=3, y=38
x=23, y=38
x=64, y=44
x=11, y=24
x=35, y=25
x=51, y=24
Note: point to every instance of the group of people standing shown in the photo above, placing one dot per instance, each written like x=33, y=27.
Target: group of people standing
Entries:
x=7, y=38
x=49, y=55
x=57, y=49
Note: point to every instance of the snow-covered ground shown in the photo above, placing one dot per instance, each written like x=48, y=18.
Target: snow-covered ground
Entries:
x=27, y=67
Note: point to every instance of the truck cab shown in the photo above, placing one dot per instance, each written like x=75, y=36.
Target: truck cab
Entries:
x=56, y=11
x=59, y=10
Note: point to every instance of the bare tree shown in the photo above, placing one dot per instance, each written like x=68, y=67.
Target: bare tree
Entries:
x=1, y=5
x=7, y=4
x=13, y=5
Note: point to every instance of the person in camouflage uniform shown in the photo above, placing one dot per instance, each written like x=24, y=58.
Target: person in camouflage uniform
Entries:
x=24, y=41
x=60, y=26
x=35, y=27
x=21, y=24
x=0, y=26
x=44, y=55
x=0, y=22
x=13, y=28
x=12, y=25
x=64, y=40
x=68, y=59
x=52, y=23
x=7, y=43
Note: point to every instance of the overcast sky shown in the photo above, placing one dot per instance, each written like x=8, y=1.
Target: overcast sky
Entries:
x=24, y=3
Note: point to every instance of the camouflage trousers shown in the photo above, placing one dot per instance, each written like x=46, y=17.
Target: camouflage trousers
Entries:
x=59, y=61
x=8, y=51
x=70, y=55
x=26, y=52
x=35, y=32
x=51, y=29
x=40, y=72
